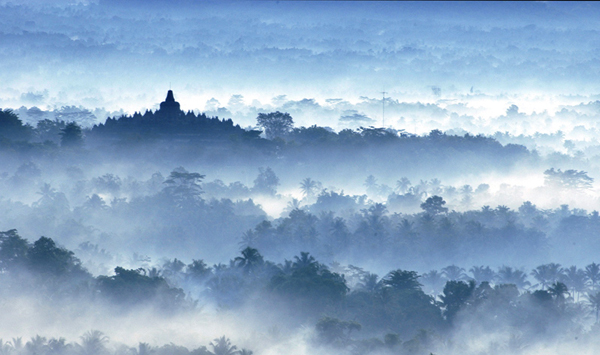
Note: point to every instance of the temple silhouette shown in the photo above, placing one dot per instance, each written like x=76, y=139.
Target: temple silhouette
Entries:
x=170, y=106
x=169, y=122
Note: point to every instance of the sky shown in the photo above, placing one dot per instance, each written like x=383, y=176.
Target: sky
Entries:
x=327, y=63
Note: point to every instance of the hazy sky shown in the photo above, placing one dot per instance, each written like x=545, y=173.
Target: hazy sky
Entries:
x=117, y=55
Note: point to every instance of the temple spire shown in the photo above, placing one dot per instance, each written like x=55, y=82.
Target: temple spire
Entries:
x=170, y=97
x=170, y=106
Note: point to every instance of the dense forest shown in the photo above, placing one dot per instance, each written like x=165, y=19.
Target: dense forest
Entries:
x=191, y=177
x=182, y=218
x=348, y=308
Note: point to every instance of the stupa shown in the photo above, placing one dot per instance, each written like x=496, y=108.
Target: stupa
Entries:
x=170, y=106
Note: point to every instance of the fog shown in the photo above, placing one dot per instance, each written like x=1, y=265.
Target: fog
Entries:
x=95, y=54
x=219, y=178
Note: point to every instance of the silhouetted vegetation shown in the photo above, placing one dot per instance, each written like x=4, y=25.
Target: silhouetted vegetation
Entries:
x=394, y=306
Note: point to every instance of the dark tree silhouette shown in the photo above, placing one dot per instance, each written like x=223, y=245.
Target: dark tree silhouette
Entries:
x=558, y=290
x=12, y=127
x=434, y=205
x=46, y=258
x=305, y=260
x=402, y=280
x=71, y=135
x=276, y=124
x=13, y=250
x=456, y=294
x=184, y=187
x=249, y=260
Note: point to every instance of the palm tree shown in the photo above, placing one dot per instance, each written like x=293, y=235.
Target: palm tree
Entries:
x=406, y=227
x=558, y=290
x=427, y=222
x=575, y=279
x=37, y=345
x=402, y=185
x=505, y=214
x=547, y=274
x=402, y=280
x=93, y=342
x=309, y=187
x=145, y=349
x=58, y=346
x=287, y=267
x=594, y=300
x=454, y=273
x=304, y=260
x=47, y=194
x=481, y=273
x=250, y=259
x=294, y=204
x=370, y=182
x=339, y=233
x=487, y=214
x=222, y=346
x=592, y=272
x=17, y=344
x=508, y=275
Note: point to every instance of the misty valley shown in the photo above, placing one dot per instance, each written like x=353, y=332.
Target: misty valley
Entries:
x=191, y=177
x=344, y=242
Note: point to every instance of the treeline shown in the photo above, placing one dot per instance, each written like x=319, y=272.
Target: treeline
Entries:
x=58, y=275
x=190, y=216
x=95, y=342
x=345, y=227
x=346, y=305
x=129, y=137
x=54, y=131
x=181, y=219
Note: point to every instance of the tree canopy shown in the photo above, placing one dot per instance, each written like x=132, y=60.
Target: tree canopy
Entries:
x=276, y=124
